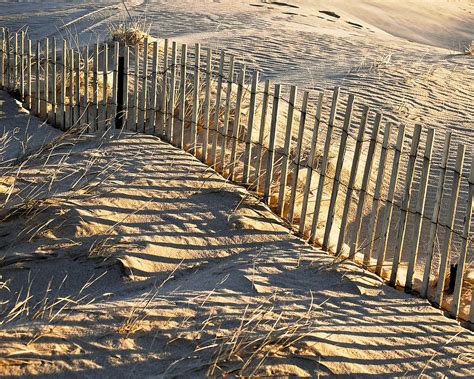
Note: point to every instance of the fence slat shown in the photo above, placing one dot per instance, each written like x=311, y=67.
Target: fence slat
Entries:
x=435, y=217
x=29, y=74
x=464, y=246
x=71, y=87
x=196, y=91
x=310, y=165
x=22, y=66
x=250, y=122
x=182, y=106
x=85, y=97
x=352, y=179
x=54, y=109
x=115, y=69
x=299, y=145
x=225, y=126
x=8, y=59
x=449, y=225
x=95, y=92
x=171, y=106
x=286, y=151
x=261, y=136
x=15, y=61
x=271, y=145
x=126, y=74
x=337, y=175
x=105, y=84
x=389, y=202
x=164, y=84
x=401, y=235
x=420, y=206
x=38, y=78
x=215, y=139
x=136, y=88
x=236, y=128
x=2, y=59
x=324, y=165
x=44, y=110
x=154, y=72
x=77, y=78
x=372, y=225
x=207, y=105
x=143, y=93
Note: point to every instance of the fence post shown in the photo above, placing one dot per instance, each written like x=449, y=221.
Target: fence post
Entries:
x=227, y=113
x=337, y=175
x=449, y=225
x=352, y=179
x=310, y=164
x=248, y=137
x=435, y=216
x=207, y=103
x=261, y=136
x=236, y=128
x=405, y=204
x=464, y=246
x=172, y=92
x=182, y=106
x=420, y=206
x=154, y=71
x=143, y=98
x=299, y=145
x=389, y=203
x=324, y=165
x=215, y=139
x=286, y=151
x=271, y=145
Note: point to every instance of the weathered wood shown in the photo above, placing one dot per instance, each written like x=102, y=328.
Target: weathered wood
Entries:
x=337, y=174
x=44, y=110
x=374, y=214
x=286, y=152
x=125, y=96
x=225, y=126
x=105, y=75
x=115, y=64
x=237, y=118
x=63, y=86
x=215, y=139
x=261, y=136
x=401, y=234
x=449, y=225
x=182, y=86
x=250, y=122
x=85, y=96
x=171, y=106
x=271, y=145
x=136, y=94
x=71, y=88
x=196, y=90
x=144, y=88
x=164, y=89
x=8, y=68
x=420, y=206
x=324, y=165
x=364, y=186
x=464, y=246
x=389, y=202
x=38, y=79
x=352, y=180
x=299, y=145
x=15, y=61
x=29, y=76
x=77, y=78
x=2, y=59
x=95, y=91
x=207, y=105
x=22, y=66
x=153, y=96
x=54, y=100
x=310, y=164
x=435, y=217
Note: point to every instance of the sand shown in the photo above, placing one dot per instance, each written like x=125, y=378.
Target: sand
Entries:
x=135, y=259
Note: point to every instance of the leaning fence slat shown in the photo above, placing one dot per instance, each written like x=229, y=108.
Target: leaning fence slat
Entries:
x=271, y=145
x=464, y=246
x=136, y=82
x=299, y=145
x=250, y=122
x=261, y=136
x=310, y=165
x=374, y=213
x=286, y=152
x=207, y=105
x=389, y=202
x=215, y=138
x=352, y=179
x=44, y=110
x=225, y=126
x=153, y=95
x=95, y=91
x=143, y=93
x=435, y=217
x=164, y=84
x=38, y=78
x=196, y=90
x=171, y=106
x=115, y=68
x=449, y=225
x=401, y=234
x=419, y=214
x=337, y=174
x=324, y=165
x=237, y=118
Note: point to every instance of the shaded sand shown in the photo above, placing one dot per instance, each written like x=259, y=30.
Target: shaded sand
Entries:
x=172, y=271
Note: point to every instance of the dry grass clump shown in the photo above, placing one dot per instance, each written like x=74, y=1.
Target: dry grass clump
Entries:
x=131, y=35
x=469, y=49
